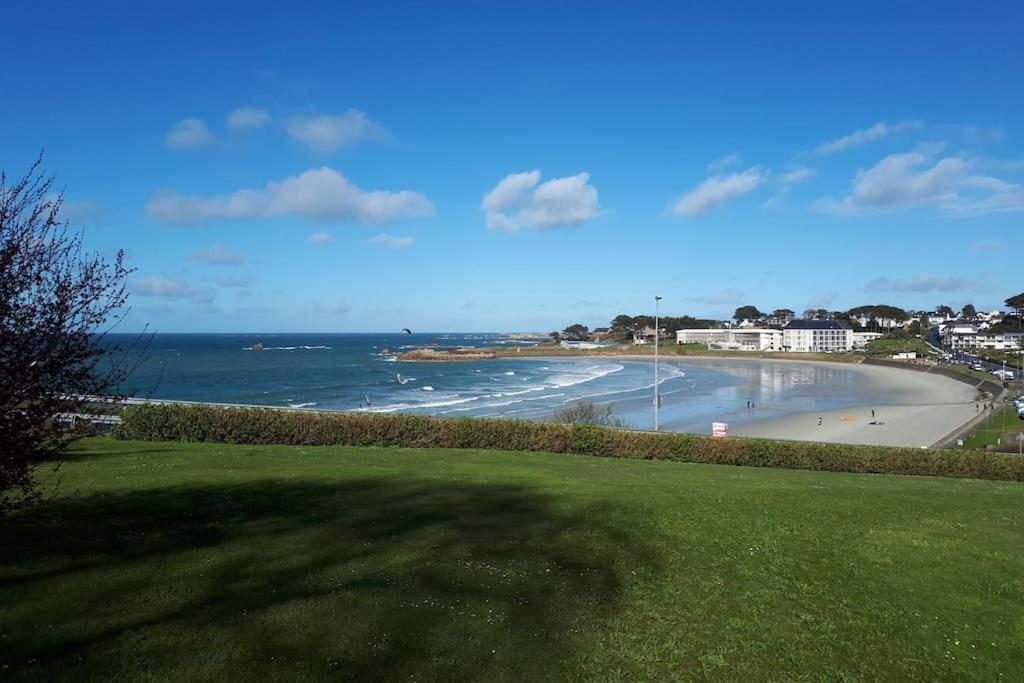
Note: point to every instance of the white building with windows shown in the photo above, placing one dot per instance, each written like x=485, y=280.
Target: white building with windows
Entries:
x=966, y=335
x=817, y=336
x=734, y=339
x=760, y=339
x=703, y=336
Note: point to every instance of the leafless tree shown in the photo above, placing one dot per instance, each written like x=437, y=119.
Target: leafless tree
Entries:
x=57, y=304
x=586, y=412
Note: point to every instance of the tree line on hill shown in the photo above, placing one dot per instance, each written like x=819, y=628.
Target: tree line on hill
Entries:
x=623, y=327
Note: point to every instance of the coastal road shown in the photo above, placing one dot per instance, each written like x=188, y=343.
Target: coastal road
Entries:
x=935, y=340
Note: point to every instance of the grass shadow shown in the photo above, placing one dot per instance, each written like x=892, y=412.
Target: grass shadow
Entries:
x=379, y=578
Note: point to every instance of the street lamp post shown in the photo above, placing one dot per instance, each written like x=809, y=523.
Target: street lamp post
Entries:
x=657, y=401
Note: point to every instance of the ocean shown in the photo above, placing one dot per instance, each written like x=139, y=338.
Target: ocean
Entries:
x=360, y=372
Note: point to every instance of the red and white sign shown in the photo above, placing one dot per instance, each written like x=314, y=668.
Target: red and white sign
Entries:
x=720, y=429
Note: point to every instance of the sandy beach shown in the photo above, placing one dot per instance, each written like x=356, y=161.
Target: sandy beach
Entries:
x=924, y=409
x=915, y=409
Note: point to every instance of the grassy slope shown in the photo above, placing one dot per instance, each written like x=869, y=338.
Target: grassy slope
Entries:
x=979, y=375
x=887, y=346
x=1012, y=358
x=1004, y=426
x=195, y=562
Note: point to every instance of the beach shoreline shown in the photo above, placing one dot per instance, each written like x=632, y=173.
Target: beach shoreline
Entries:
x=924, y=410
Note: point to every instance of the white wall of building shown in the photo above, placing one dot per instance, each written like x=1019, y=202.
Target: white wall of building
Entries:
x=741, y=339
x=970, y=337
x=817, y=341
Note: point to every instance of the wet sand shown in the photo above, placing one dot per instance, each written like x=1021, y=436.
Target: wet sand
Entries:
x=925, y=409
x=919, y=409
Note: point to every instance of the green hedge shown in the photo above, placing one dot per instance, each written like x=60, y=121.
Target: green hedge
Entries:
x=269, y=426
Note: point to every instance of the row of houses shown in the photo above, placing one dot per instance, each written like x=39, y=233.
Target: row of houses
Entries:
x=837, y=336
x=971, y=335
x=798, y=336
x=982, y=319
x=879, y=323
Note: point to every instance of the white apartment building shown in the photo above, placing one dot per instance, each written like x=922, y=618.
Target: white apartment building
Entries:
x=702, y=336
x=967, y=335
x=736, y=339
x=757, y=339
x=817, y=336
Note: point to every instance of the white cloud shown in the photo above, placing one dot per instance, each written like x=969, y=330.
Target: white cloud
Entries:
x=518, y=200
x=1010, y=198
x=187, y=134
x=920, y=283
x=76, y=211
x=235, y=282
x=510, y=190
x=987, y=246
x=327, y=133
x=901, y=181
x=777, y=200
x=391, y=241
x=798, y=175
x=218, y=254
x=248, y=117
x=718, y=190
x=171, y=288
x=723, y=163
x=864, y=136
x=788, y=180
x=320, y=239
x=322, y=195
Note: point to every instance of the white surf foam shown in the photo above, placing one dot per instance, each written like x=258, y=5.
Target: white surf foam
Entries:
x=286, y=348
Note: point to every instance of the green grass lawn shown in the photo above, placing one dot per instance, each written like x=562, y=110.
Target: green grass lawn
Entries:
x=979, y=375
x=887, y=346
x=1003, y=427
x=160, y=561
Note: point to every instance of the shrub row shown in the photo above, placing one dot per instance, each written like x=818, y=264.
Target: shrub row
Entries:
x=269, y=426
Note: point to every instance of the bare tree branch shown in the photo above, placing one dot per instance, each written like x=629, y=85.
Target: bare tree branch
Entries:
x=55, y=301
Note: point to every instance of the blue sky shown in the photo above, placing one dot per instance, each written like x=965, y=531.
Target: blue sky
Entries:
x=445, y=167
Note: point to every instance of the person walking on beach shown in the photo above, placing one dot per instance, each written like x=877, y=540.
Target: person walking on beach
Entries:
x=819, y=421
x=872, y=413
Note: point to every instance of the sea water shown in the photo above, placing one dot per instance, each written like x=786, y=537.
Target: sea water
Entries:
x=360, y=372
